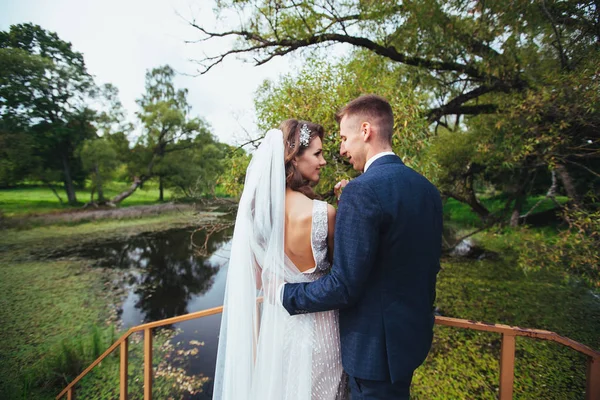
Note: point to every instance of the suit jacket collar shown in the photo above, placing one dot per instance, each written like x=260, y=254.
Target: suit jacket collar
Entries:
x=389, y=159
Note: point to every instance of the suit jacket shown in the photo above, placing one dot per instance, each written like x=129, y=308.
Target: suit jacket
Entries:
x=388, y=236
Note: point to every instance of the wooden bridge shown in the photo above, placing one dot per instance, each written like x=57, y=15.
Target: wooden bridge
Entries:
x=507, y=353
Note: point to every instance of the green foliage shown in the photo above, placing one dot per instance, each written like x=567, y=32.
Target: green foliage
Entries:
x=43, y=89
x=465, y=364
x=452, y=155
x=54, y=312
x=172, y=139
x=234, y=174
x=195, y=170
x=17, y=158
x=573, y=250
x=58, y=126
x=521, y=82
x=43, y=77
x=99, y=157
x=62, y=363
x=317, y=91
x=461, y=215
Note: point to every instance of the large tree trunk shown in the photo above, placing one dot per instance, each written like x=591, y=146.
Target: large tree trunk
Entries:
x=137, y=182
x=161, y=196
x=520, y=195
x=471, y=197
x=567, y=182
x=477, y=206
x=69, y=187
x=518, y=207
x=99, y=187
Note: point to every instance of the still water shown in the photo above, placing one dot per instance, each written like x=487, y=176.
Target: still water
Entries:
x=167, y=278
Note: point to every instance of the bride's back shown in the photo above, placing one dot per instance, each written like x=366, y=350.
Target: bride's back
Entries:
x=298, y=225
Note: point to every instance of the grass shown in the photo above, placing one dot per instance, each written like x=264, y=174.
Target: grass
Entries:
x=33, y=199
x=53, y=311
x=464, y=363
x=43, y=303
x=54, y=316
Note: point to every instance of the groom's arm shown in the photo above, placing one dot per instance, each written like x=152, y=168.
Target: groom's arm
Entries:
x=356, y=241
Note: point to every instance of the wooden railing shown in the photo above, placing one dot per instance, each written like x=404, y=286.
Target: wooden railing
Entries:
x=507, y=353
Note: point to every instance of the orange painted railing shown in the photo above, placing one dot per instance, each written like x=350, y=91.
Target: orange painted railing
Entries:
x=507, y=353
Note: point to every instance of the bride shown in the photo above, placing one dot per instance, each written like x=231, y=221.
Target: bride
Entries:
x=282, y=234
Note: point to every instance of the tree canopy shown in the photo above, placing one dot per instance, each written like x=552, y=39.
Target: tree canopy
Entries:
x=58, y=125
x=510, y=90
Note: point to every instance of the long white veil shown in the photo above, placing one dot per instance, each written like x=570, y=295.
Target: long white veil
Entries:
x=263, y=353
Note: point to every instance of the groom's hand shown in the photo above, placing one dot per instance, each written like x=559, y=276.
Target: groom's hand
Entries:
x=337, y=189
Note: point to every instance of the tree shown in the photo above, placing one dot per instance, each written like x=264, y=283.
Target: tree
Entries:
x=43, y=86
x=516, y=72
x=104, y=152
x=99, y=158
x=195, y=170
x=168, y=128
x=319, y=89
x=17, y=159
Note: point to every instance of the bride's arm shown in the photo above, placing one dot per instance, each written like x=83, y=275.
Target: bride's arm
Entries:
x=257, y=274
x=330, y=230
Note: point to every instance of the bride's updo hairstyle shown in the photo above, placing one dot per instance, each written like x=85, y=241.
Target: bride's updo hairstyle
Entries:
x=293, y=147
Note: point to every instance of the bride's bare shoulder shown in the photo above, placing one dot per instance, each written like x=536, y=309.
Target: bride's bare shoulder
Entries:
x=297, y=205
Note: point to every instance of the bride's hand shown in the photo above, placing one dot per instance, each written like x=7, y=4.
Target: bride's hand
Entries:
x=337, y=189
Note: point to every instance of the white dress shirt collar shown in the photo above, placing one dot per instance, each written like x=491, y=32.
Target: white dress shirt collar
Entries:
x=377, y=156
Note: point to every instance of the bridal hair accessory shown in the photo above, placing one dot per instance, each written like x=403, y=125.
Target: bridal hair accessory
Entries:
x=304, y=137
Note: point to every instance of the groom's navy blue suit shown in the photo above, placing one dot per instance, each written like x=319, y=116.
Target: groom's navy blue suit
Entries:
x=388, y=236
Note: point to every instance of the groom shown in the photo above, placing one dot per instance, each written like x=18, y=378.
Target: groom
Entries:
x=388, y=236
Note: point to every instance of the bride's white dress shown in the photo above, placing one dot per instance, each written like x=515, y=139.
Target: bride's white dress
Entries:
x=328, y=381
x=264, y=353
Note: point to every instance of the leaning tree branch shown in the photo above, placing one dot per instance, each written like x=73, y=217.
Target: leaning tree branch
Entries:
x=455, y=106
x=551, y=194
x=285, y=46
x=252, y=141
x=582, y=166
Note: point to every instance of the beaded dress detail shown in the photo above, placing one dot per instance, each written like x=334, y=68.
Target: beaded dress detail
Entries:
x=329, y=381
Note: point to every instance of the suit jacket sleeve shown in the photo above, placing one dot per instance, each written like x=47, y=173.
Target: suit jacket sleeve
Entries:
x=356, y=241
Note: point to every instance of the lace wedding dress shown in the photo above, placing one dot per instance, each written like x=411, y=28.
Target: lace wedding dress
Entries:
x=328, y=381
x=264, y=353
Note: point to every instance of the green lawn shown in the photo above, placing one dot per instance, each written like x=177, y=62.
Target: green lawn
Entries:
x=33, y=199
x=462, y=214
x=463, y=364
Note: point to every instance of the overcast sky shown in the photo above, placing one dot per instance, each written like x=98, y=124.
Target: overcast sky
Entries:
x=121, y=39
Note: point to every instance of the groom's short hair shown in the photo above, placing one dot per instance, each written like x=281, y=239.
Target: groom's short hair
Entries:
x=375, y=110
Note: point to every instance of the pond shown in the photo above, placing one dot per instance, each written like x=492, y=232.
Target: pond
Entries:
x=166, y=277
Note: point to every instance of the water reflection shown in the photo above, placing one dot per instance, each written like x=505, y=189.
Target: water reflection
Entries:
x=171, y=275
x=166, y=278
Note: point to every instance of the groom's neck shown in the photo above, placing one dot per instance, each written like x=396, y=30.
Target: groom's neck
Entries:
x=372, y=152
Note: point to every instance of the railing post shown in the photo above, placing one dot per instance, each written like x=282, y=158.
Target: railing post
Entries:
x=592, y=384
x=147, y=364
x=123, y=377
x=507, y=366
x=70, y=394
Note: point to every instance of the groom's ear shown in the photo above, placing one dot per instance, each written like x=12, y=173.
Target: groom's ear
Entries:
x=366, y=131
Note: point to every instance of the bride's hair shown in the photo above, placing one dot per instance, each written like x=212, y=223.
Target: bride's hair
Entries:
x=293, y=148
